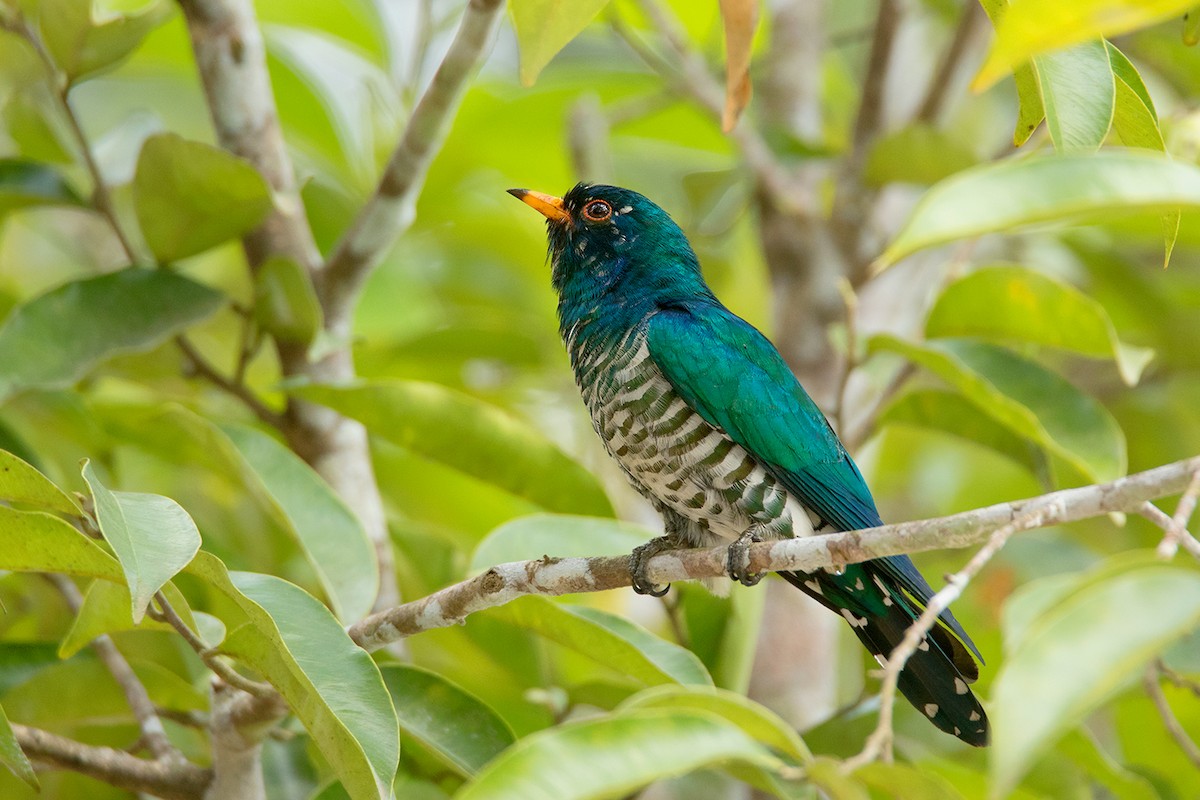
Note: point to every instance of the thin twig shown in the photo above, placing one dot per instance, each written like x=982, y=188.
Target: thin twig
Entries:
x=879, y=743
x=557, y=576
x=200, y=366
x=1177, y=532
x=939, y=84
x=1170, y=721
x=1179, y=679
x=153, y=735
x=167, y=613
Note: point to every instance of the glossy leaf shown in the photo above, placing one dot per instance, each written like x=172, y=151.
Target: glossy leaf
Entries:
x=757, y=721
x=1009, y=195
x=1018, y=304
x=25, y=184
x=1078, y=95
x=455, y=724
x=21, y=483
x=286, y=304
x=1032, y=28
x=739, y=18
x=1030, y=111
x=190, y=196
x=105, y=609
x=55, y=339
x=470, y=436
x=152, y=536
x=332, y=686
x=953, y=413
x=545, y=26
x=31, y=541
x=331, y=536
x=1089, y=645
x=83, y=42
x=11, y=755
x=1026, y=398
x=606, y=638
x=559, y=535
x=612, y=757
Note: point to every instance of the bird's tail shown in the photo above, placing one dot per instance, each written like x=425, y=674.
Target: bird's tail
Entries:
x=935, y=679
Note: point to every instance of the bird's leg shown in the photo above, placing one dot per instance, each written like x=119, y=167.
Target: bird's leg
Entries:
x=640, y=558
x=737, y=559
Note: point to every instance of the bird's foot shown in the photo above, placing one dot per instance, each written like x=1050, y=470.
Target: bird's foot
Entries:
x=639, y=559
x=737, y=559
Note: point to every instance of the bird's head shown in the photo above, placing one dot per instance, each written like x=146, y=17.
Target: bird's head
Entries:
x=608, y=240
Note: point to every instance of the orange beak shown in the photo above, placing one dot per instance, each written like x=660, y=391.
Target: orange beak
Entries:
x=548, y=205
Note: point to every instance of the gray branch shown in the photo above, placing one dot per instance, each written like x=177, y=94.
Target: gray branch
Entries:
x=557, y=576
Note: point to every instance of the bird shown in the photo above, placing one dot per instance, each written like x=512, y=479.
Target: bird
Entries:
x=709, y=424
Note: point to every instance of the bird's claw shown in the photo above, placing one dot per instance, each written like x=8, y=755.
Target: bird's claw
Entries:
x=639, y=559
x=737, y=559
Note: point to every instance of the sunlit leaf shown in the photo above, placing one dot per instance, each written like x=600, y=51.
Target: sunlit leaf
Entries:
x=545, y=26
x=190, y=196
x=455, y=724
x=1029, y=29
x=739, y=18
x=1018, y=304
x=1030, y=111
x=11, y=755
x=286, y=304
x=1089, y=645
x=1077, y=95
x=331, y=684
x=105, y=609
x=757, y=721
x=55, y=339
x=152, y=536
x=559, y=535
x=469, y=435
x=28, y=183
x=1026, y=398
x=83, y=41
x=331, y=536
x=21, y=483
x=31, y=541
x=611, y=757
x=610, y=640
x=1009, y=195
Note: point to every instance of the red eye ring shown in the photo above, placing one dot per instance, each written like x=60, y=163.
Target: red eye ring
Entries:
x=597, y=211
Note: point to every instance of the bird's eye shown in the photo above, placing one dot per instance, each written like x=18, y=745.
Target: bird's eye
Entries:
x=597, y=211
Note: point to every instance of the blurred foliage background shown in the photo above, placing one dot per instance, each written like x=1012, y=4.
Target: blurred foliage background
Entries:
x=1009, y=358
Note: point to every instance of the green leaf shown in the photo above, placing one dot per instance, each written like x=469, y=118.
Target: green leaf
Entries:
x=545, y=26
x=82, y=42
x=1012, y=194
x=469, y=435
x=1124, y=71
x=105, y=609
x=1030, y=111
x=286, y=304
x=1018, y=304
x=31, y=541
x=24, y=184
x=331, y=536
x=332, y=685
x=906, y=782
x=559, y=535
x=1032, y=28
x=756, y=720
x=1081, y=747
x=953, y=413
x=12, y=757
x=21, y=483
x=916, y=154
x=152, y=536
x=190, y=196
x=1077, y=95
x=1089, y=645
x=453, y=723
x=55, y=339
x=1026, y=398
x=606, y=638
x=612, y=757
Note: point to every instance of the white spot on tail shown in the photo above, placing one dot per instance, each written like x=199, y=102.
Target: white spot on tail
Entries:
x=815, y=587
x=923, y=646
x=931, y=710
x=974, y=716
x=960, y=686
x=857, y=622
x=858, y=584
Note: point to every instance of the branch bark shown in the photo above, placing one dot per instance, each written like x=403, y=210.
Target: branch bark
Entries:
x=557, y=576
x=172, y=781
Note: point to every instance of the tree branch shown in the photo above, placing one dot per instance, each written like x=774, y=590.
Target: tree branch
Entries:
x=1170, y=721
x=172, y=781
x=557, y=576
x=943, y=75
x=199, y=365
x=391, y=209
x=1176, y=530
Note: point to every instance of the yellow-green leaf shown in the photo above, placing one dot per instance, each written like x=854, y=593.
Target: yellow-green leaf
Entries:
x=21, y=483
x=545, y=26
